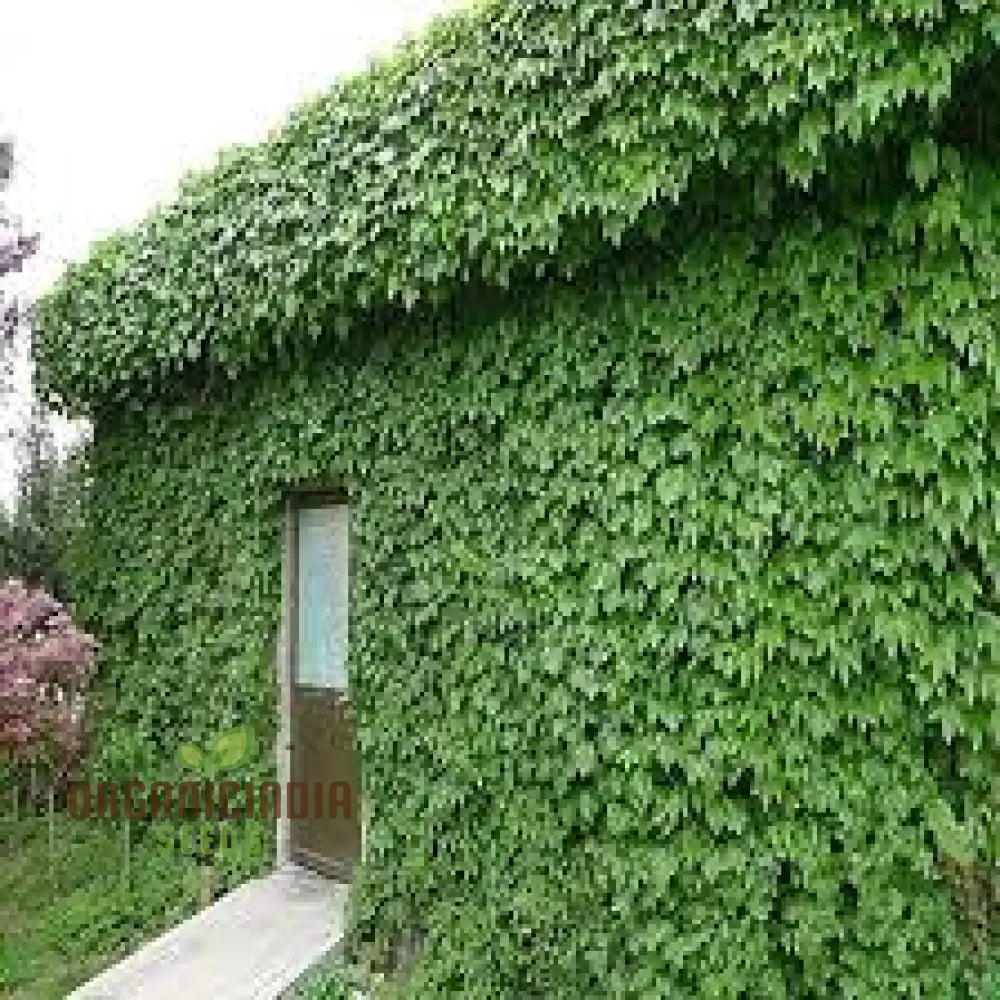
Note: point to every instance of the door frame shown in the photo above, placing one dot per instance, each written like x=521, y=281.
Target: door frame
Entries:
x=292, y=502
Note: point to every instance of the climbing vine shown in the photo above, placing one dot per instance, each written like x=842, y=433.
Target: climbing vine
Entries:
x=675, y=629
x=494, y=144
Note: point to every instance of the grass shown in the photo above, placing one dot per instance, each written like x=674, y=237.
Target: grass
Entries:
x=75, y=898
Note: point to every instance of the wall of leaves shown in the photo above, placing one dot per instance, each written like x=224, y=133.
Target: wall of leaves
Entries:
x=675, y=631
x=504, y=140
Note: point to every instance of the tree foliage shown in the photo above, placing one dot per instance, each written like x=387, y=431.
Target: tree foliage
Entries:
x=34, y=532
x=46, y=663
x=16, y=247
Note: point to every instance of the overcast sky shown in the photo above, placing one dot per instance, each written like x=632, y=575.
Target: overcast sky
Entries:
x=111, y=101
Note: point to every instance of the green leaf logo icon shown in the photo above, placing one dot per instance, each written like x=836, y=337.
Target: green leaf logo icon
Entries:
x=231, y=748
x=190, y=756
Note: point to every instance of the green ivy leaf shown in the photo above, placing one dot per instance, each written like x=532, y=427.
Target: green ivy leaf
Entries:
x=924, y=163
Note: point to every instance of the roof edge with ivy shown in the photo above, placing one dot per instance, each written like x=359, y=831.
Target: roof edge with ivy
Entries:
x=472, y=151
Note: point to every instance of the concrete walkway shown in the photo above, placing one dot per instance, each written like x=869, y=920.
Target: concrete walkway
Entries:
x=250, y=945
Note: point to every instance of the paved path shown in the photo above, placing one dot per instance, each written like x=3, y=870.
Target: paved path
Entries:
x=250, y=945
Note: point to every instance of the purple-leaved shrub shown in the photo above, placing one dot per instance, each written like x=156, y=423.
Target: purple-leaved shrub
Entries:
x=46, y=664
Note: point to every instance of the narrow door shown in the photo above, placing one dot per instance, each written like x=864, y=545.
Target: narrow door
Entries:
x=323, y=796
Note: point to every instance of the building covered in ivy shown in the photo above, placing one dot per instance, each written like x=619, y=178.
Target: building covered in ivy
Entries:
x=599, y=400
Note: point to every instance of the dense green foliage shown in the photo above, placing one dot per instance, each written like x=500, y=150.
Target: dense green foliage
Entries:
x=675, y=625
x=666, y=584
x=510, y=136
x=34, y=534
x=330, y=980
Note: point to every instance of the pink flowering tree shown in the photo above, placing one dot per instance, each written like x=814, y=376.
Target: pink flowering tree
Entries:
x=46, y=663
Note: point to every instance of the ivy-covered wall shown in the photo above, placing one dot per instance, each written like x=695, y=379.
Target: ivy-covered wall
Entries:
x=675, y=634
x=508, y=139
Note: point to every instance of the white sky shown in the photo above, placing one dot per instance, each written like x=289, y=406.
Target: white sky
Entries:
x=110, y=102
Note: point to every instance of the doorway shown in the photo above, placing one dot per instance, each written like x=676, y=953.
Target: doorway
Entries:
x=322, y=808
